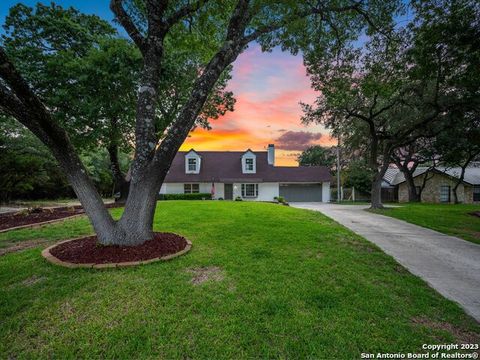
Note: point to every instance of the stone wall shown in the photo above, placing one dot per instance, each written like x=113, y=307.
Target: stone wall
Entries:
x=431, y=192
x=469, y=195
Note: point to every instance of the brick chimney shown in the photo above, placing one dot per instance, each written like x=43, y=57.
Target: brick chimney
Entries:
x=271, y=154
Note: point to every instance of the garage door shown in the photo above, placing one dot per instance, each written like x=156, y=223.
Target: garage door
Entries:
x=301, y=193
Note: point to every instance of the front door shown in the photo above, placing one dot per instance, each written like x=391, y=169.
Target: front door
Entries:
x=228, y=191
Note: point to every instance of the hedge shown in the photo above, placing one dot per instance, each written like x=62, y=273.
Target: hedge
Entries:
x=195, y=196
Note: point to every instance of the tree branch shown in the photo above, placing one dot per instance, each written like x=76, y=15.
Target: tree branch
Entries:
x=126, y=21
x=226, y=55
x=9, y=103
x=184, y=11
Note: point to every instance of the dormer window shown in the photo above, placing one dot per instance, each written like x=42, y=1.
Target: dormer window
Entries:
x=249, y=162
x=193, y=161
x=192, y=165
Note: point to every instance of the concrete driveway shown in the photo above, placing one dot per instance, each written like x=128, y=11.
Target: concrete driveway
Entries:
x=448, y=264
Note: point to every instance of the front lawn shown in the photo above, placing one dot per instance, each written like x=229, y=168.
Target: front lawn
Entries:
x=262, y=281
x=447, y=218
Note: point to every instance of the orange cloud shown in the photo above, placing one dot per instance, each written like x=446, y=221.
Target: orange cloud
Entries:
x=222, y=140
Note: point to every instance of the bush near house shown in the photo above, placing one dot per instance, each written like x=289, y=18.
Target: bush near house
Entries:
x=196, y=196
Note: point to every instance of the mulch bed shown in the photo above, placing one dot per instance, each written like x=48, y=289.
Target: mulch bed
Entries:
x=88, y=251
x=11, y=220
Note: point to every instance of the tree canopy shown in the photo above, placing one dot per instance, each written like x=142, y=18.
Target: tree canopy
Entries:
x=317, y=155
x=412, y=83
x=84, y=70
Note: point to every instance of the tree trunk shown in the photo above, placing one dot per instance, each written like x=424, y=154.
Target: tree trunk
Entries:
x=412, y=189
x=376, y=192
x=136, y=223
x=459, y=181
x=408, y=174
x=90, y=199
x=376, y=197
x=121, y=185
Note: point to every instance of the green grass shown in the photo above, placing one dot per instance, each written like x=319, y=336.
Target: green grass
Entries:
x=447, y=218
x=295, y=285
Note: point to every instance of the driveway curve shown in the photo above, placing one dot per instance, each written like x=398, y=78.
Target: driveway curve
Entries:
x=448, y=264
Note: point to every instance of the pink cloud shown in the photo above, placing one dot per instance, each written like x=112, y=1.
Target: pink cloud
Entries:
x=297, y=140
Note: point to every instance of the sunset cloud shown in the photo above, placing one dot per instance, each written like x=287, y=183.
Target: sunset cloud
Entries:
x=297, y=140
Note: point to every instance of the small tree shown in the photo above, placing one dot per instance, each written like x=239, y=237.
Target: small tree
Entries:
x=359, y=176
x=27, y=168
x=317, y=155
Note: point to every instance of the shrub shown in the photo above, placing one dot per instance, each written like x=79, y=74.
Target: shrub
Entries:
x=196, y=196
x=238, y=198
x=280, y=199
x=23, y=212
x=35, y=210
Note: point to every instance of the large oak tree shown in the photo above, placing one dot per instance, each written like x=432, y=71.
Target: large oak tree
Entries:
x=412, y=84
x=80, y=66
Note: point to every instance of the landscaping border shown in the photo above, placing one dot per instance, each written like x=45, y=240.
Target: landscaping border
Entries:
x=40, y=224
x=54, y=260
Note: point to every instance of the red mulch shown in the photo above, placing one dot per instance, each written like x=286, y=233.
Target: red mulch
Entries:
x=12, y=219
x=88, y=251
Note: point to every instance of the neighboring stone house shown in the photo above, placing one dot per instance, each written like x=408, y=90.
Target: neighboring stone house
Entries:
x=439, y=184
x=251, y=175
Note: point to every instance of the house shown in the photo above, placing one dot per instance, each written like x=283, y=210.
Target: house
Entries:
x=439, y=184
x=389, y=189
x=251, y=175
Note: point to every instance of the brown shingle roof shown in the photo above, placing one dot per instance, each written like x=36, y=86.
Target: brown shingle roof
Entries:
x=226, y=166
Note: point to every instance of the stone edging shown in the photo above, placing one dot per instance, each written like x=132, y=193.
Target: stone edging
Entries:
x=40, y=224
x=54, y=260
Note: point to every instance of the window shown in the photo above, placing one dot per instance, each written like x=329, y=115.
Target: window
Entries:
x=192, y=164
x=476, y=193
x=249, y=164
x=445, y=193
x=191, y=188
x=249, y=190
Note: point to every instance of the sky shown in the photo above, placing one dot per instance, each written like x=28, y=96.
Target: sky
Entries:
x=268, y=88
